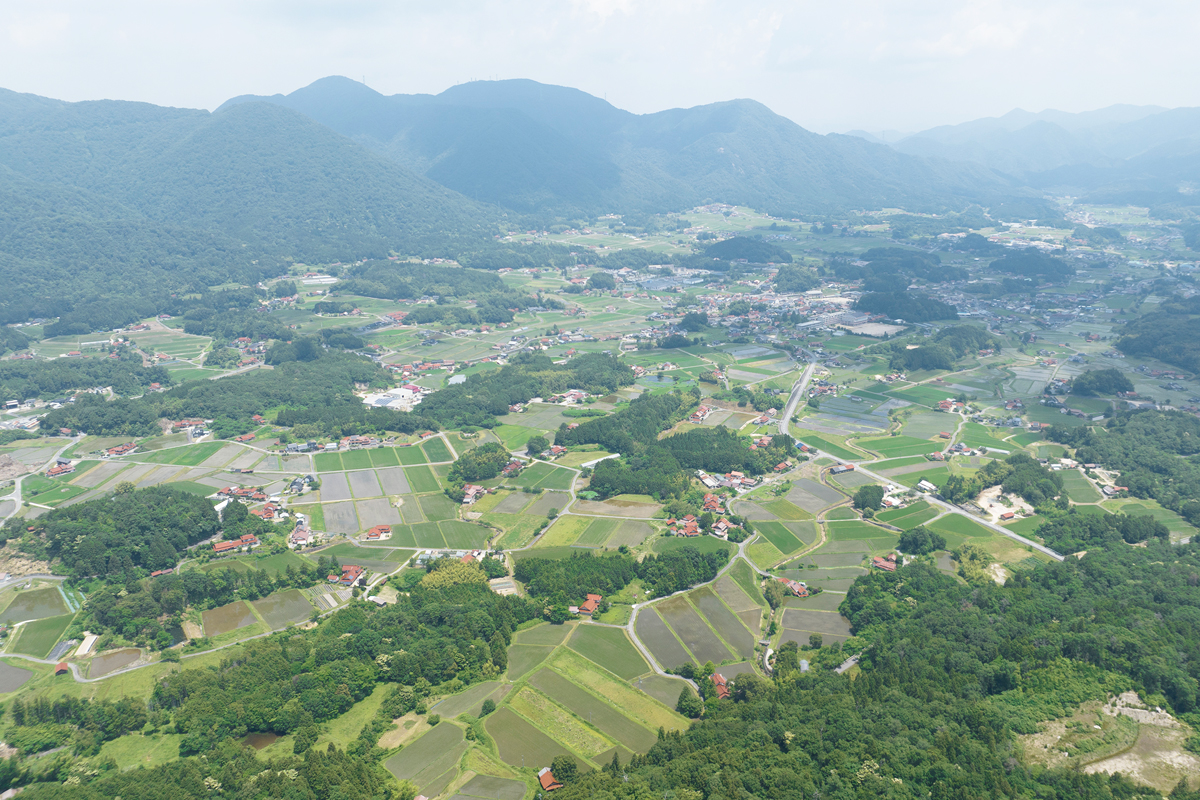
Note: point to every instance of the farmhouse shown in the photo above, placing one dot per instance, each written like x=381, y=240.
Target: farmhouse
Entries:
x=887, y=564
x=591, y=604
x=546, y=779
x=351, y=574
x=379, y=531
x=721, y=685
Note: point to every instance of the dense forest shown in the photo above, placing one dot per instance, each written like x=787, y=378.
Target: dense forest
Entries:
x=947, y=346
x=1170, y=333
x=900, y=265
x=950, y=673
x=751, y=249
x=570, y=580
x=1153, y=450
x=721, y=450
x=27, y=380
x=112, y=535
x=318, y=391
x=1030, y=263
x=1101, y=382
x=480, y=463
x=908, y=306
x=794, y=278
x=487, y=395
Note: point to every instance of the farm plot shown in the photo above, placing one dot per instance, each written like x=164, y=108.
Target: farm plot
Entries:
x=603, y=684
x=693, y=631
x=470, y=701
x=851, y=480
x=422, y=479
x=363, y=483
x=597, y=532
x=227, y=618
x=551, y=635
x=464, y=535
x=429, y=758
x=217, y=459
x=283, y=608
x=99, y=475
x=246, y=460
x=827, y=446
x=393, y=481
x=547, y=502
x=513, y=504
x=853, y=529
x=341, y=518
x=816, y=621
x=438, y=507
x=379, y=511
x=1078, y=487
x=384, y=457
x=960, y=525
x=825, y=601
x=356, y=459
x=783, y=509
x=38, y=637
x=659, y=639
x=558, y=723
x=596, y=711
x=524, y=657
x=629, y=532
x=927, y=424
x=328, y=462
x=610, y=648
x=784, y=540
x=35, y=604
x=436, y=450
x=519, y=742
x=723, y=621
x=812, y=496
x=411, y=456
x=335, y=486
x=899, y=446
x=12, y=678
x=616, y=507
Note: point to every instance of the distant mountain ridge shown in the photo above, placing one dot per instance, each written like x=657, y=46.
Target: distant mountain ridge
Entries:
x=1124, y=153
x=535, y=147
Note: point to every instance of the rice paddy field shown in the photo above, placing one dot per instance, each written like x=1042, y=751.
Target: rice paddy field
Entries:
x=38, y=637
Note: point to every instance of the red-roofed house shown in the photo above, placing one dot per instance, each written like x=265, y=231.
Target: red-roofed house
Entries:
x=351, y=573
x=721, y=685
x=546, y=779
x=886, y=564
x=591, y=604
x=378, y=531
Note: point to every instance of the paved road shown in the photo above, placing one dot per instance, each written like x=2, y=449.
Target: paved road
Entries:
x=798, y=390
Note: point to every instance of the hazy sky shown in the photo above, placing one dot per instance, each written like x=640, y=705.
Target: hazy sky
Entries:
x=826, y=64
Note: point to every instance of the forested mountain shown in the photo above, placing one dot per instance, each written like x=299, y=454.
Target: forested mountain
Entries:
x=103, y=200
x=534, y=147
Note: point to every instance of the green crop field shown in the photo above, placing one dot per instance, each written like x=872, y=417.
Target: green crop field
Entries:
x=38, y=637
x=596, y=711
x=896, y=513
x=957, y=523
x=610, y=648
x=422, y=479
x=705, y=544
x=910, y=521
x=188, y=456
x=826, y=445
x=899, y=446
x=843, y=531
x=519, y=742
x=356, y=459
x=620, y=694
x=1079, y=488
x=896, y=463
x=327, y=462
x=410, y=456
x=524, y=657
x=597, y=532
x=785, y=510
x=747, y=579
x=436, y=450
x=783, y=539
x=384, y=457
